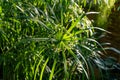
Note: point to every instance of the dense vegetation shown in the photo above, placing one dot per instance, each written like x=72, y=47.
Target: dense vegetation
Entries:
x=48, y=39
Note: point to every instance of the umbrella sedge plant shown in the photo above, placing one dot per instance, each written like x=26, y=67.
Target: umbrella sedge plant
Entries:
x=46, y=39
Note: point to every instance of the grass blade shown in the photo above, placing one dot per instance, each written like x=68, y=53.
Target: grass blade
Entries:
x=38, y=67
x=52, y=72
x=43, y=68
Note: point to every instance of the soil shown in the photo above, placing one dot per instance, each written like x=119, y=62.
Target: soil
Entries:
x=114, y=28
x=114, y=38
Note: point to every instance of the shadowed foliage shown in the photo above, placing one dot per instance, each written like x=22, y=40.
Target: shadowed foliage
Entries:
x=47, y=39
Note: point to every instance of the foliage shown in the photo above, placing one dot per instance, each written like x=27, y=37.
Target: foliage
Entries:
x=46, y=39
x=105, y=9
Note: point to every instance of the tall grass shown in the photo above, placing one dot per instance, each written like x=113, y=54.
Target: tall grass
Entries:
x=46, y=39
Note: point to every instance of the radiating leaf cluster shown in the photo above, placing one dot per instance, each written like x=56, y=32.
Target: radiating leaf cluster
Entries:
x=46, y=39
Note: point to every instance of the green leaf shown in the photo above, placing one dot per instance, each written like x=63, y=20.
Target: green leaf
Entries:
x=43, y=68
x=53, y=69
x=37, y=67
